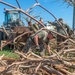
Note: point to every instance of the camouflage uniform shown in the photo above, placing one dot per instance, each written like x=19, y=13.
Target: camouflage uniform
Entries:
x=68, y=29
x=34, y=27
x=42, y=35
x=59, y=28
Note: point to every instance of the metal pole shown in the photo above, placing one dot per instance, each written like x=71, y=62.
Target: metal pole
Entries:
x=74, y=16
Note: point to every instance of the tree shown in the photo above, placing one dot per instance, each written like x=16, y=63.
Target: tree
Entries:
x=71, y=3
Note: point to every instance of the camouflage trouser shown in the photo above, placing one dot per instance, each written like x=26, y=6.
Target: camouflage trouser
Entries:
x=28, y=45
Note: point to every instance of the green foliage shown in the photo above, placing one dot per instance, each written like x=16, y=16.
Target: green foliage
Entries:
x=9, y=53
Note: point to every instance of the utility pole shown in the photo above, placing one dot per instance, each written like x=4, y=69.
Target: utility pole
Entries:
x=74, y=16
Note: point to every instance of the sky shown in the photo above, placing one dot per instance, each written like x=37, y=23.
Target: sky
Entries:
x=59, y=9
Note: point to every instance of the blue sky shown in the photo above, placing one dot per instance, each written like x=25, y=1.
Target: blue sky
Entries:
x=59, y=9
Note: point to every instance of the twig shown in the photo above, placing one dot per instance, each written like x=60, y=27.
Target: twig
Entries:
x=51, y=70
x=5, y=31
x=37, y=68
x=1, y=57
x=35, y=55
x=20, y=54
x=21, y=35
x=64, y=42
x=62, y=70
x=18, y=3
x=69, y=50
x=8, y=4
x=44, y=71
x=8, y=42
x=36, y=4
x=36, y=1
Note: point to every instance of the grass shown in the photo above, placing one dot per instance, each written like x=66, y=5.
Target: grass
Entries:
x=9, y=53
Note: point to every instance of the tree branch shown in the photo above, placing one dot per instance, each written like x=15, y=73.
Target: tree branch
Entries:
x=8, y=4
x=36, y=4
x=18, y=3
